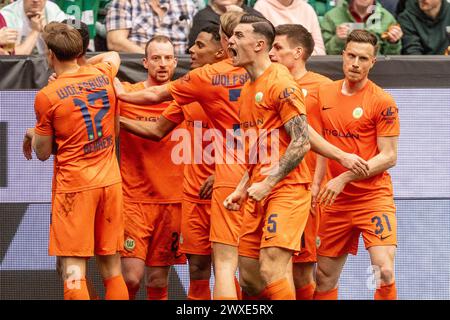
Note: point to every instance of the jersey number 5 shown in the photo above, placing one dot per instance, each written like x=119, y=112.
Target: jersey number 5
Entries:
x=92, y=97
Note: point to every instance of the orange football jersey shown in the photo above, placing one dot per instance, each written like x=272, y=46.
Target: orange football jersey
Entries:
x=79, y=109
x=148, y=171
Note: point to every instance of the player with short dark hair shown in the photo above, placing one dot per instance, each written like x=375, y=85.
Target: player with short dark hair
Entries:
x=358, y=116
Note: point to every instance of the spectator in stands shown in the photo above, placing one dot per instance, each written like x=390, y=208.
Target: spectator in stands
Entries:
x=86, y=11
x=390, y=5
x=293, y=12
x=322, y=6
x=100, y=26
x=361, y=14
x=401, y=6
x=8, y=38
x=211, y=13
x=29, y=18
x=131, y=23
x=426, y=24
x=5, y=3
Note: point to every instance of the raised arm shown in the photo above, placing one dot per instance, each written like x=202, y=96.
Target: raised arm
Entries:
x=149, y=130
x=110, y=56
x=150, y=95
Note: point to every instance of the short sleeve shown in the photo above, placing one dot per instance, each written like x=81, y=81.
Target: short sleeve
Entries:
x=174, y=113
x=44, y=114
x=190, y=87
x=288, y=99
x=387, y=118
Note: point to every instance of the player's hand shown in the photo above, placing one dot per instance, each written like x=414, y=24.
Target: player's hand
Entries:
x=234, y=201
x=26, y=145
x=355, y=164
x=331, y=190
x=259, y=190
x=206, y=188
x=394, y=34
x=118, y=87
x=52, y=78
x=342, y=31
x=315, y=189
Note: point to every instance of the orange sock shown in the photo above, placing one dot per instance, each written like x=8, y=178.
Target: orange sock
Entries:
x=157, y=293
x=387, y=292
x=132, y=292
x=326, y=295
x=238, y=289
x=116, y=289
x=305, y=292
x=199, y=290
x=280, y=290
x=76, y=290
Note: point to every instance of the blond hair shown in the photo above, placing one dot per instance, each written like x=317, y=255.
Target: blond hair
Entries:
x=229, y=20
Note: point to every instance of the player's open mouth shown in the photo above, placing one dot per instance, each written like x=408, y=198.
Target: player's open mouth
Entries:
x=232, y=52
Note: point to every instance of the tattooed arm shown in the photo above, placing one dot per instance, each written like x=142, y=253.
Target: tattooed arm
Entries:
x=297, y=128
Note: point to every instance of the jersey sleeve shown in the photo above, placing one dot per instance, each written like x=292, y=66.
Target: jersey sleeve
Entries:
x=174, y=113
x=288, y=99
x=190, y=87
x=44, y=114
x=386, y=117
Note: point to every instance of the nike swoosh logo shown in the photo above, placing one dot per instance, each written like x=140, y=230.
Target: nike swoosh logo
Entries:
x=268, y=238
x=382, y=238
x=323, y=108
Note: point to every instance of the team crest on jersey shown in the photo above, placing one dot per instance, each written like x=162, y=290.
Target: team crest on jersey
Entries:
x=259, y=96
x=129, y=244
x=318, y=242
x=358, y=112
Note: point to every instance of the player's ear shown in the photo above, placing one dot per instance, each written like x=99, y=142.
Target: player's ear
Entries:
x=259, y=45
x=175, y=59
x=220, y=54
x=145, y=62
x=298, y=53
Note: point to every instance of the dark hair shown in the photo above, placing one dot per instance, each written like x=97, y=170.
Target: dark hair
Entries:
x=83, y=29
x=261, y=26
x=213, y=30
x=158, y=38
x=297, y=35
x=63, y=40
x=362, y=36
